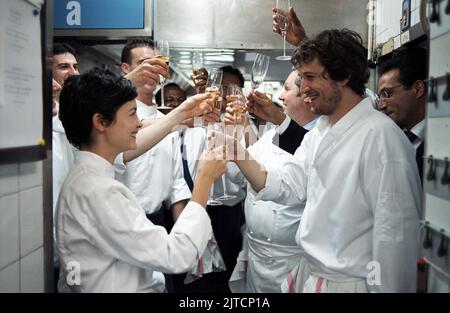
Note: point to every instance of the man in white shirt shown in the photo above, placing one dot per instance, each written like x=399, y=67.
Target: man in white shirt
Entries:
x=355, y=172
x=269, y=248
x=64, y=65
x=156, y=177
x=402, y=95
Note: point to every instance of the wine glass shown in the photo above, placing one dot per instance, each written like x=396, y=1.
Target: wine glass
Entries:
x=197, y=63
x=282, y=22
x=163, y=53
x=213, y=86
x=236, y=99
x=259, y=69
x=211, y=143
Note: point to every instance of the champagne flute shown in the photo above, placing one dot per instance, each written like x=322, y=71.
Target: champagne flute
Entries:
x=236, y=99
x=163, y=53
x=213, y=86
x=230, y=93
x=282, y=22
x=259, y=69
x=197, y=64
x=211, y=143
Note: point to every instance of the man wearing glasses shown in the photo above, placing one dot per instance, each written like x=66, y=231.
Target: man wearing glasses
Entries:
x=402, y=95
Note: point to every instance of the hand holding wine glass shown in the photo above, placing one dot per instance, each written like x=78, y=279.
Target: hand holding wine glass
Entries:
x=199, y=73
x=295, y=32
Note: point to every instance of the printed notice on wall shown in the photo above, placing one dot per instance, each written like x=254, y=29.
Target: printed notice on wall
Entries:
x=21, y=105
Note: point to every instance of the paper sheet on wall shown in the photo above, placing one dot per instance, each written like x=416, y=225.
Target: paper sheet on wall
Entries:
x=21, y=105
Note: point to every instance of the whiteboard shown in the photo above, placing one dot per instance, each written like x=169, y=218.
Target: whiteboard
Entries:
x=21, y=106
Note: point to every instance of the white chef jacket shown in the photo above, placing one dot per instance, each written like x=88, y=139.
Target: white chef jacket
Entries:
x=156, y=175
x=270, y=249
x=62, y=157
x=103, y=231
x=362, y=191
x=62, y=161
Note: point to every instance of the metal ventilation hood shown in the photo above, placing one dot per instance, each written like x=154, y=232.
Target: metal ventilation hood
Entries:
x=231, y=31
x=247, y=24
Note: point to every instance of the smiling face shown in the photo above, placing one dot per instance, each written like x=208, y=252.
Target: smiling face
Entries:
x=64, y=65
x=290, y=95
x=121, y=133
x=396, y=101
x=321, y=92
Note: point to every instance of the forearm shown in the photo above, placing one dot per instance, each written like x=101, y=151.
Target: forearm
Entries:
x=202, y=186
x=151, y=135
x=254, y=172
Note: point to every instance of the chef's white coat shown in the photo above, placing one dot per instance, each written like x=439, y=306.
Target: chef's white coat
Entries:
x=104, y=235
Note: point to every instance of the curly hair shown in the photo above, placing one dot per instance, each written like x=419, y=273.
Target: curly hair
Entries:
x=342, y=54
x=96, y=91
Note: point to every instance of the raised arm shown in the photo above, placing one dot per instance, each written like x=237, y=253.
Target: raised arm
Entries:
x=295, y=32
x=160, y=128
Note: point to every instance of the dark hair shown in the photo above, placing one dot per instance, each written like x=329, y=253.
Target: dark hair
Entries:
x=61, y=48
x=412, y=65
x=158, y=94
x=97, y=91
x=134, y=43
x=234, y=71
x=342, y=54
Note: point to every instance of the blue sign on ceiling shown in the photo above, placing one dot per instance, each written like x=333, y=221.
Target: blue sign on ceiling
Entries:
x=98, y=14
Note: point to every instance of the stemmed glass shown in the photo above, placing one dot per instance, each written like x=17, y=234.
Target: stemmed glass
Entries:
x=259, y=69
x=163, y=53
x=197, y=63
x=229, y=93
x=213, y=88
x=236, y=99
x=282, y=22
x=211, y=143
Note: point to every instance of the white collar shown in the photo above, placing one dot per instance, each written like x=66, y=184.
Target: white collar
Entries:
x=419, y=130
x=95, y=162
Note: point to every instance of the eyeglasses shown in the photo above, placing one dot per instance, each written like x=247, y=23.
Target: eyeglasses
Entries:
x=386, y=93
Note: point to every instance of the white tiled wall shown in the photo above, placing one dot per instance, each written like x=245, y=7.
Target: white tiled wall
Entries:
x=31, y=272
x=9, y=278
x=21, y=228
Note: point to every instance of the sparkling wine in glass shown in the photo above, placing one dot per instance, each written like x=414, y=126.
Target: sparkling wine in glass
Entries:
x=198, y=66
x=163, y=53
x=213, y=87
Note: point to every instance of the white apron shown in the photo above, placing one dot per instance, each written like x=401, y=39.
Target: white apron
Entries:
x=262, y=266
